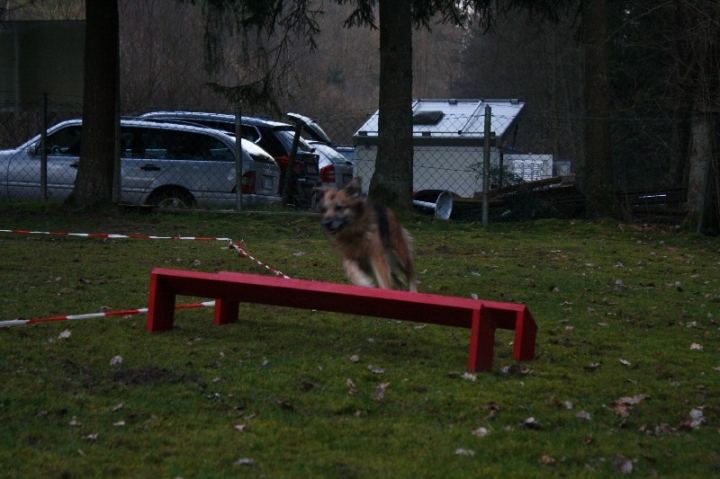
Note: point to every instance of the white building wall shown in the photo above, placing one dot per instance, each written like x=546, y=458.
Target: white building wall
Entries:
x=455, y=169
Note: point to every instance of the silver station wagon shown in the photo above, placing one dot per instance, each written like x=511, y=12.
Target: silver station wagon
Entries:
x=162, y=164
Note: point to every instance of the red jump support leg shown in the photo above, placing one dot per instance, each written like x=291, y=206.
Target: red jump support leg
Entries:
x=486, y=319
x=161, y=308
x=525, y=334
x=482, y=341
x=226, y=312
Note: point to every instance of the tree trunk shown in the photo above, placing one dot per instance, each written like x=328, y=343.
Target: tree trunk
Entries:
x=94, y=181
x=599, y=181
x=699, y=161
x=391, y=183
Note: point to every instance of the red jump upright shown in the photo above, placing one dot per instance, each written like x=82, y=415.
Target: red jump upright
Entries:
x=231, y=289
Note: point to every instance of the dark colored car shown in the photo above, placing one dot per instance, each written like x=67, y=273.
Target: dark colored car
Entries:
x=274, y=137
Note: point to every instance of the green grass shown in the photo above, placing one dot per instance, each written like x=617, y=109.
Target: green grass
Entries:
x=618, y=308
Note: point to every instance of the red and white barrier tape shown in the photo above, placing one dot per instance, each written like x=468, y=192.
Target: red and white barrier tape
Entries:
x=236, y=246
x=115, y=236
x=243, y=253
x=127, y=312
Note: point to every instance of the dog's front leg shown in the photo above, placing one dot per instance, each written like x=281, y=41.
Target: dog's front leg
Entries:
x=356, y=275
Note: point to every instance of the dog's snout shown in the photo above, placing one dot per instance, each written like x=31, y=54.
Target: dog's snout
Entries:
x=332, y=225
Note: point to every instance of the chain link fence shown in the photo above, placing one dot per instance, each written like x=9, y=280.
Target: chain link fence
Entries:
x=186, y=165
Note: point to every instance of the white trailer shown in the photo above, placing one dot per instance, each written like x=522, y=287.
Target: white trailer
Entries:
x=448, y=143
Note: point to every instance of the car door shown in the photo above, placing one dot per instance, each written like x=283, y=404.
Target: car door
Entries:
x=142, y=151
x=63, y=152
x=155, y=158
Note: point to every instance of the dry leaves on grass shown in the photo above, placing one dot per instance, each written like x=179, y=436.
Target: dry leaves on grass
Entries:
x=353, y=389
x=623, y=405
x=694, y=420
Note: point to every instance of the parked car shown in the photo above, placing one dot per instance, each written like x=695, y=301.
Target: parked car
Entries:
x=274, y=137
x=335, y=169
x=162, y=164
x=336, y=162
x=311, y=129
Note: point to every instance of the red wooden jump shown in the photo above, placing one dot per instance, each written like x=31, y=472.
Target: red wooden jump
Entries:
x=230, y=289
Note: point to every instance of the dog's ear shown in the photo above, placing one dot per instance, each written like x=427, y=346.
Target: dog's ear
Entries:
x=354, y=188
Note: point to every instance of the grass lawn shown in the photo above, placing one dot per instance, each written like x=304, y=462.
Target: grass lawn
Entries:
x=626, y=376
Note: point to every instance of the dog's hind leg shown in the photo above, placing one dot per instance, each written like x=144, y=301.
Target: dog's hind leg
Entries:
x=355, y=274
x=382, y=271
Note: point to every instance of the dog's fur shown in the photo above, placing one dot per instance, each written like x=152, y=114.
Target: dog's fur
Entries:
x=368, y=238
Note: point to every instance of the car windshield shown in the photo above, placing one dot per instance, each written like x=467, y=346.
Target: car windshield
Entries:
x=330, y=153
x=287, y=135
x=257, y=153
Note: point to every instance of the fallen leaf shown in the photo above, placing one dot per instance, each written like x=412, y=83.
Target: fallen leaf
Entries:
x=354, y=358
x=531, y=423
x=696, y=418
x=353, y=389
x=634, y=399
x=469, y=377
x=592, y=366
x=285, y=404
x=119, y=423
x=375, y=369
x=379, y=393
x=548, y=460
x=244, y=461
x=239, y=427
x=625, y=362
x=622, y=464
x=583, y=415
x=91, y=437
x=622, y=405
x=65, y=334
x=481, y=431
x=464, y=452
x=116, y=360
x=696, y=347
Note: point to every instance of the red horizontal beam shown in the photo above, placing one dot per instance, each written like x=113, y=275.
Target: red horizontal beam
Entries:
x=231, y=289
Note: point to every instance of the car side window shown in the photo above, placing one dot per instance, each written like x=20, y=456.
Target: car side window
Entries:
x=65, y=141
x=132, y=144
x=184, y=145
x=250, y=133
x=273, y=145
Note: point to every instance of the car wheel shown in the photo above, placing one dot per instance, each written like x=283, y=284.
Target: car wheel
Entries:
x=171, y=198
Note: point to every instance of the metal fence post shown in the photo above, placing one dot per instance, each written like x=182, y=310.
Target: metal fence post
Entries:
x=238, y=158
x=116, y=196
x=486, y=167
x=43, y=148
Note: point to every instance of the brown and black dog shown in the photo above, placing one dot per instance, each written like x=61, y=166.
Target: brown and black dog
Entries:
x=368, y=238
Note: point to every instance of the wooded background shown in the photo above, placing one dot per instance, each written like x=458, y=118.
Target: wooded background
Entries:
x=664, y=80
